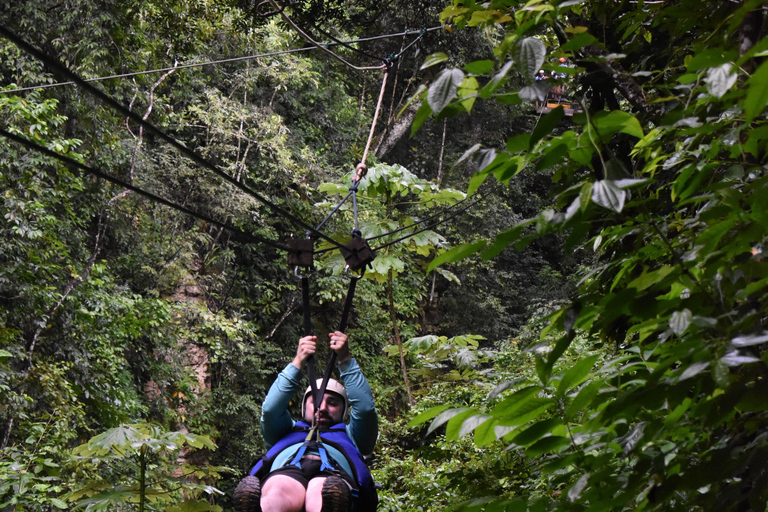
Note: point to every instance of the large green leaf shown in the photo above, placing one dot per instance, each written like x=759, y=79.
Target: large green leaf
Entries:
x=444, y=89
x=536, y=431
x=719, y=79
x=608, y=195
x=615, y=121
x=457, y=253
x=434, y=59
x=545, y=126
x=461, y=425
x=119, y=438
x=529, y=54
x=428, y=415
x=446, y=415
x=511, y=403
x=576, y=374
x=547, y=444
x=757, y=94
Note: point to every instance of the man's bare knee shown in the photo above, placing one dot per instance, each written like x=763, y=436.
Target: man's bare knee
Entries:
x=282, y=494
x=314, y=499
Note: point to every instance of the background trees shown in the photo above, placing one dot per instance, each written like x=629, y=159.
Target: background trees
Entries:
x=606, y=350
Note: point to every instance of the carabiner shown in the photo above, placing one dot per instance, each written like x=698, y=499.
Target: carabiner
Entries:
x=296, y=273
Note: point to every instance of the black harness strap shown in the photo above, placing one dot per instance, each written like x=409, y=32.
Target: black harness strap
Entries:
x=357, y=254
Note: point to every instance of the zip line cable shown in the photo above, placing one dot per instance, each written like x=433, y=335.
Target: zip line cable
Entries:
x=224, y=61
x=430, y=226
x=338, y=42
x=61, y=69
x=321, y=47
x=149, y=195
x=419, y=222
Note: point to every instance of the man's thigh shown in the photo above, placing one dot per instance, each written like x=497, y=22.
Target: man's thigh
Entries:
x=281, y=493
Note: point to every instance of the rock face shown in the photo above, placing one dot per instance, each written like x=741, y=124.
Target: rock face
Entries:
x=197, y=364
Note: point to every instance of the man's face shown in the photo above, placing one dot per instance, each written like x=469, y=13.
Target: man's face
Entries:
x=331, y=410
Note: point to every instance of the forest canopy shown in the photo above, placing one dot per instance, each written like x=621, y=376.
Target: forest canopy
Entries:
x=566, y=200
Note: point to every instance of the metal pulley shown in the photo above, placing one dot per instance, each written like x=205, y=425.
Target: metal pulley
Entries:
x=357, y=253
x=300, y=252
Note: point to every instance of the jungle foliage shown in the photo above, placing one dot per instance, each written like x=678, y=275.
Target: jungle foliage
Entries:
x=588, y=334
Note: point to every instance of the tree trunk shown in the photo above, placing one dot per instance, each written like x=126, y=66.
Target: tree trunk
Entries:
x=396, y=335
x=396, y=131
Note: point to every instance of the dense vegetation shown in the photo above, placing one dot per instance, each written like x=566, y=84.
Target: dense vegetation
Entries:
x=588, y=335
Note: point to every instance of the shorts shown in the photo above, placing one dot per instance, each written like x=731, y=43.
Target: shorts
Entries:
x=310, y=468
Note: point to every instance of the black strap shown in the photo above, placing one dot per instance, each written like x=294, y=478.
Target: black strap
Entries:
x=318, y=392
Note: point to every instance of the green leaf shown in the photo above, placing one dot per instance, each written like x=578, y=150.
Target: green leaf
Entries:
x=546, y=125
x=757, y=94
x=584, y=398
x=445, y=416
x=610, y=123
x=479, y=67
x=536, y=431
x=475, y=182
x=529, y=54
x=516, y=400
x=750, y=340
x=457, y=253
x=427, y=415
x=518, y=143
x=574, y=493
x=680, y=321
x=56, y=502
x=461, y=425
x=537, y=91
x=434, y=59
x=708, y=58
x=119, y=438
x=576, y=374
x=608, y=195
x=421, y=115
x=578, y=42
x=694, y=369
x=546, y=445
x=497, y=81
x=444, y=88
x=720, y=79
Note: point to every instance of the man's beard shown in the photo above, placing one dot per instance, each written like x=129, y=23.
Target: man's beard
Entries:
x=323, y=418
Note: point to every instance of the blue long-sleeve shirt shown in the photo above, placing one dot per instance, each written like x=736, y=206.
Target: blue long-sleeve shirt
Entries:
x=363, y=427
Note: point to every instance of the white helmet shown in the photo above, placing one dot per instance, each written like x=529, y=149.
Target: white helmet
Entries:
x=333, y=386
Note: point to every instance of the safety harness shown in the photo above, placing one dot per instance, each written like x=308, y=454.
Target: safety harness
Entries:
x=363, y=493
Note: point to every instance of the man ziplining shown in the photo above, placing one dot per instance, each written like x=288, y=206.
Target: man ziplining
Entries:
x=316, y=464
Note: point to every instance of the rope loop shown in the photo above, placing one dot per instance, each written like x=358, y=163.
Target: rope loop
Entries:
x=360, y=171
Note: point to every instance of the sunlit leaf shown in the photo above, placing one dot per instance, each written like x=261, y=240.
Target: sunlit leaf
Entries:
x=576, y=374
x=747, y=341
x=720, y=79
x=608, y=195
x=427, y=415
x=445, y=416
x=434, y=59
x=735, y=358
